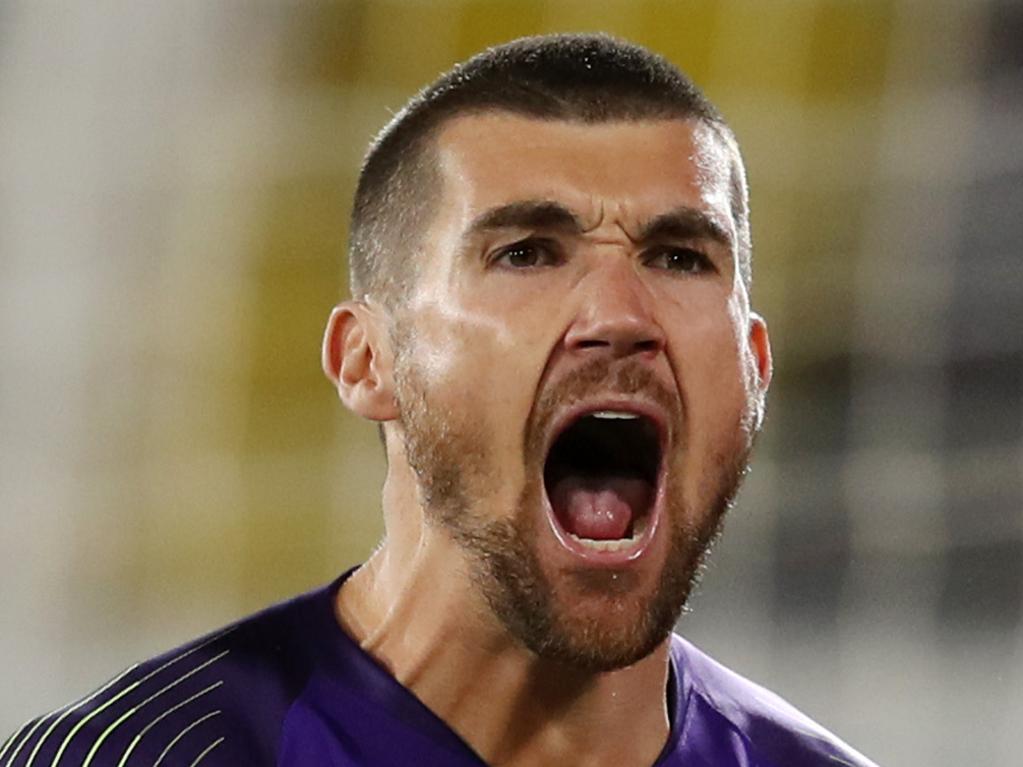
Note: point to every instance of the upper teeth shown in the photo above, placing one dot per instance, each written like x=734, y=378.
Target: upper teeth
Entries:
x=613, y=414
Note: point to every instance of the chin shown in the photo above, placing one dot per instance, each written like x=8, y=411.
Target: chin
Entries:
x=590, y=619
x=606, y=630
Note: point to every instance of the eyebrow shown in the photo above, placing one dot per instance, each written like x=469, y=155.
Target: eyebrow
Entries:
x=527, y=214
x=684, y=223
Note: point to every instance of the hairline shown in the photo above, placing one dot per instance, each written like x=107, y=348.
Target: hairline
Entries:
x=423, y=164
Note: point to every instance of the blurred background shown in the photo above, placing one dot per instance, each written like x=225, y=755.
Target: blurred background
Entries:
x=174, y=186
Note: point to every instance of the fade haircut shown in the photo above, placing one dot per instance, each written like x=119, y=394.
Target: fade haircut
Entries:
x=591, y=78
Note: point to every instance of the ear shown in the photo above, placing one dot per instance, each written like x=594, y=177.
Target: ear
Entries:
x=760, y=347
x=358, y=360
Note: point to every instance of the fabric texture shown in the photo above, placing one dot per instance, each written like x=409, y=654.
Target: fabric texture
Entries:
x=288, y=688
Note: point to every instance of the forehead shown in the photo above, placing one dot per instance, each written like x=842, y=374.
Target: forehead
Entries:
x=630, y=170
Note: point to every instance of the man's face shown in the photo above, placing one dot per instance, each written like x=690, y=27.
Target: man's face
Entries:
x=578, y=373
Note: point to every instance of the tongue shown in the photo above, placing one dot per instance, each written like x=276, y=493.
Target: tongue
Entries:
x=599, y=508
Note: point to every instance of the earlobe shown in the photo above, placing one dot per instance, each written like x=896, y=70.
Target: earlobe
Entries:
x=358, y=361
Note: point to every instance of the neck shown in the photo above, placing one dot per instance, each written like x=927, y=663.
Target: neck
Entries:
x=415, y=609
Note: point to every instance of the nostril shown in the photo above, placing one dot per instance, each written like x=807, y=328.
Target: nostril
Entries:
x=618, y=345
x=620, y=324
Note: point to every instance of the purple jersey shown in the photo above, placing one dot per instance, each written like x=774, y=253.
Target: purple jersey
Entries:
x=288, y=687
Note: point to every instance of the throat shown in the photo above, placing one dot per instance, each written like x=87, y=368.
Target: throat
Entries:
x=551, y=716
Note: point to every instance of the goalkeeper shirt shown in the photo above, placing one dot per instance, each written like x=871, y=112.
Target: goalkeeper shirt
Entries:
x=288, y=687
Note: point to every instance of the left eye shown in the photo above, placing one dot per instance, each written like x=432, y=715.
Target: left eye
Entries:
x=526, y=254
x=675, y=259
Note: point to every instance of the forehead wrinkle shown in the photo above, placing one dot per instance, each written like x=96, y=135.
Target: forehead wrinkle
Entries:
x=617, y=220
x=601, y=215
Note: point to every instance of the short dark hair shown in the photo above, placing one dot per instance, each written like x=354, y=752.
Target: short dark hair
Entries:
x=588, y=78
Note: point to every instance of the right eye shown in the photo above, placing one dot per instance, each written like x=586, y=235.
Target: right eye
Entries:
x=526, y=254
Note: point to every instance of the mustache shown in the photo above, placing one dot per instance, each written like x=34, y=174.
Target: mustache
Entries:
x=599, y=377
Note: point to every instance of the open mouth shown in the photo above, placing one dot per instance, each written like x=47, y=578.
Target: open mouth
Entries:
x=601, y=478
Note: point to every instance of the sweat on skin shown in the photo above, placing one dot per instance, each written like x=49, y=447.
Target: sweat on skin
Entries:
x=499, y=318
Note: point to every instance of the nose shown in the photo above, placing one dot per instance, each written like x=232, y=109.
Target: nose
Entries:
x=615, y=315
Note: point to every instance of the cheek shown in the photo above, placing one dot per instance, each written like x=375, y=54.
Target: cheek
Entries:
x=481, y=370
x=712, y=376
x=710, y=359
x=453, y=345
x=502, y=330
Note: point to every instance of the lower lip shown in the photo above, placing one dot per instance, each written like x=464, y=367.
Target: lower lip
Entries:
x=614, y=558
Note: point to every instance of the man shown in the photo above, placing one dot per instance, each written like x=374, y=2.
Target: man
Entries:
x=550, y=264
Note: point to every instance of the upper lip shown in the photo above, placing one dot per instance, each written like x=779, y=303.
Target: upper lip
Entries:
x=645, y=408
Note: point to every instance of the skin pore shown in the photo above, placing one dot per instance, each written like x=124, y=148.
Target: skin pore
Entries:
x=568, y=265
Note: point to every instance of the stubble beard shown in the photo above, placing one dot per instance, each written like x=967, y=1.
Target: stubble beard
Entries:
x=449, y=453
